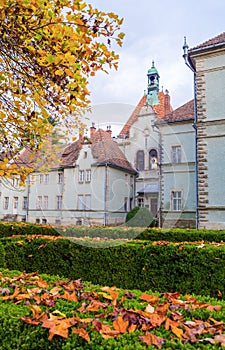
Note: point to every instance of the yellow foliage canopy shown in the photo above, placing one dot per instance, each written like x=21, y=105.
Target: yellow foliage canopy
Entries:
x=48, y=51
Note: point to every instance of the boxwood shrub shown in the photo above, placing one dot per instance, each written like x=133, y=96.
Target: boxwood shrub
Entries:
x=189, y=268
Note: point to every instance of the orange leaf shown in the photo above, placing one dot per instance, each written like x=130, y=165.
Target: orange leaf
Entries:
x=170, y=323
x=30, y=320
x=82, y=333
x=132, y=328
x=70, y=297
x=107, y=332
x=149, y=298
x=41, y=283
x=58, y=330
x=120, y=325
x=177, y=331
x=55, y=290
x=95, y=305
x=151, y=339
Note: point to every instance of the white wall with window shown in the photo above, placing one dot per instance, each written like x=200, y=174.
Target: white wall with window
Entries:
x=176, y=200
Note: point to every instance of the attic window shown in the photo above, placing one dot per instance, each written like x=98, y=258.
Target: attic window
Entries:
x=85, y=154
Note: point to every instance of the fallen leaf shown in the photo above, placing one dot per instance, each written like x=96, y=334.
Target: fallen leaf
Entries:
x=120, y=325
x=30, y=320
x=151, y=339
x=82, y=333
x=149, y=298
x=177, y=331
x=150, y=309
x=68, y=296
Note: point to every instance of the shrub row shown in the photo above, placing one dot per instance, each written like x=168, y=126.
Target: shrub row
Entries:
x=122, y=232
x=20, y=228
x=142, y=265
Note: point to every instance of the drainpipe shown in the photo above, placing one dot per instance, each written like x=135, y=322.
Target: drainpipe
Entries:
x=28, y=197
x=155, y=128
x=135, y=186
x=105, y=194
x=192, y=68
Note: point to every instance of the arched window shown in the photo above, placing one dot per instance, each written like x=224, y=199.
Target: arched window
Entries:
x=153, y=159
x=140, y=160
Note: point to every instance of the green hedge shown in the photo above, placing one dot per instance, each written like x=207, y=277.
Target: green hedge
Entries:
x=121, y=232
x=11, y=229
x=2, y=255
x=142, y=265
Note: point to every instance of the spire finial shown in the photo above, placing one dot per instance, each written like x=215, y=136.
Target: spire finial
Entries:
x=153, y=64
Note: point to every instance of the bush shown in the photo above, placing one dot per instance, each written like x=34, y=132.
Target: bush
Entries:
x=2, y=255
x=139, y=217
x=161, y=266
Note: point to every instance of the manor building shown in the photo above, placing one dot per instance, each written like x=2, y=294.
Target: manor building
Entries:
x=169, y=161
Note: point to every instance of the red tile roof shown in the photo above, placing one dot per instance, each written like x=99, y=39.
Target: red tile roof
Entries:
x=104, y=150
x=217, y=40
x=161, y=109
x=71, y=153
x=133, y=117
x=185, y=112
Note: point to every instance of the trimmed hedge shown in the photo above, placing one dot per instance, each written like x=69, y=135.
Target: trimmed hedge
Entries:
x=142, y=265
x=2, y=255
x=121, y=232
x=20, y=228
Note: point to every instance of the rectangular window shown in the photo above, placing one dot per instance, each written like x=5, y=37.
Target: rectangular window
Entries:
x=140, y=202
x=41, y=178
x=6, y=203
x=37, y=221
x=87, y=202
x=131, y=203
x=59, y=202
x=15, y=182
x=88, y=175
x=80, y=202
x=45, y=202
x=44, y=221
x=39, y=202
x=176, y=200
x=125, y=204
x=81, y=175
x=60, y=178
x=15, y=202
x=176, y=154
x=44, y=178
x=25, y=202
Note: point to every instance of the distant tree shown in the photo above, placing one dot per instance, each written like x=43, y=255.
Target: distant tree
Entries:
x=49, y=49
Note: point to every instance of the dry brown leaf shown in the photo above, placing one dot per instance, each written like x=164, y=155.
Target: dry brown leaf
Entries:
x=177, y=331
x=120, y=325
x=68, y=296
x=151, y=339
x=82, y=333
x=149, y=298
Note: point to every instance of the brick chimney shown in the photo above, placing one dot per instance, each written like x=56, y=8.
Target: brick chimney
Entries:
x=109, y=131
x=92, y=130
x=167, y=102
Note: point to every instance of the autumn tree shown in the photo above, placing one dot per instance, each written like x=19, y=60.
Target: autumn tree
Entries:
x=49, y=49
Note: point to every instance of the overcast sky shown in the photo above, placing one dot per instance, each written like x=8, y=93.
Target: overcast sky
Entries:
x=154, y=30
